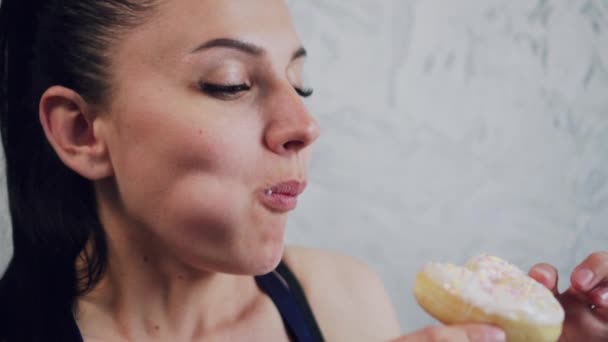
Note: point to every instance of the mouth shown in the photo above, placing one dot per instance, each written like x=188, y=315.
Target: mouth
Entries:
x=282, y=197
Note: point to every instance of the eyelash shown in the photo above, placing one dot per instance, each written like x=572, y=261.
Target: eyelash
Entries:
x=226, y=91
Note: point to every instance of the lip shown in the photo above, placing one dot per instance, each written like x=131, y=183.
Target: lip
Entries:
x=282, y=197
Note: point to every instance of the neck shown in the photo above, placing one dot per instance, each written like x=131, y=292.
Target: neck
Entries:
x=140, y=305
x=147, y=295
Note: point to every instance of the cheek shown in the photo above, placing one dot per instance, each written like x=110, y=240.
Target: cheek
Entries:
x=157, y=149
x=216, y=225
x=191, y=180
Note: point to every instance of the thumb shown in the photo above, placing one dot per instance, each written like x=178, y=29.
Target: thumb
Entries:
x=546, y=275
x=456, y=333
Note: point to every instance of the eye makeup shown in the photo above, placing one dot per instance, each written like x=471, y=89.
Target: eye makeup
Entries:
x=231, y=79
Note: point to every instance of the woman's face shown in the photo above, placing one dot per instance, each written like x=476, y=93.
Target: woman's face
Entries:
x=205, y=121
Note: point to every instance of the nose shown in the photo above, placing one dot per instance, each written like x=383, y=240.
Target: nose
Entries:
x=291, y=127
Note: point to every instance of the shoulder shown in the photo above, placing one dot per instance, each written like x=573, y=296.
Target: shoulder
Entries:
x=347, y=297
x=318, y=267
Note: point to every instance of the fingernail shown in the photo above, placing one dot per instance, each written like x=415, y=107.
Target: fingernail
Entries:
x=546, y=275
x=495, y=335
x=604, y=297
x=583, y=277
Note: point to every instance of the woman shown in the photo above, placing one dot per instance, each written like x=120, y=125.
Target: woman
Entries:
x=153, y=151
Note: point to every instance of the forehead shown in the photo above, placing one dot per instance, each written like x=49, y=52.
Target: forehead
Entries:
x=179, y=26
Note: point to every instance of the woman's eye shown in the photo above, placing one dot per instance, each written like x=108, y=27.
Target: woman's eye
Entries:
x=304, y=92
x=230, y=91
x=224, y=91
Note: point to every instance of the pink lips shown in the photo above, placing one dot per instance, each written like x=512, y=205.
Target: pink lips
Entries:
x=283, y=197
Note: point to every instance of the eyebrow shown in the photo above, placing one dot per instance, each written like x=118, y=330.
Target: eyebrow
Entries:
x=239, y=45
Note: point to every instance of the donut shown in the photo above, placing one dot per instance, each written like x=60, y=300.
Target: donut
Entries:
x=490, y=290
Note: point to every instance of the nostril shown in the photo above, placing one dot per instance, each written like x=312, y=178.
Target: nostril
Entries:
x=294, y=145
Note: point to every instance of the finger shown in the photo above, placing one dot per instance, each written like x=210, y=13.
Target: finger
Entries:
x=591, y=272
x=583, y=323
x=483, y=333
x=599, y=296
x=602, y=314
x=546, y=275
x=456, y=333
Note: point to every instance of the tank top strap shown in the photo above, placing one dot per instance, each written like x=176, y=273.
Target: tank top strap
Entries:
x=283, y=288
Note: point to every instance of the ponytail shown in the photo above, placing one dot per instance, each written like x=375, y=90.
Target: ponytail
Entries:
x=53, y=209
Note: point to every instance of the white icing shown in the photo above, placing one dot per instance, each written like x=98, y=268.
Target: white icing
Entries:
x=497, y=287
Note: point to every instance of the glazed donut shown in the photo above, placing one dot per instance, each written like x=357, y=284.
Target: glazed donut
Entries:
x=490, y=290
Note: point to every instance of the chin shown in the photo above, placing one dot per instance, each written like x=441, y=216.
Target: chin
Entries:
x=266, y=259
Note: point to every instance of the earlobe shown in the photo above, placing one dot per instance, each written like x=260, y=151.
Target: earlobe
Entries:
x=69, y=125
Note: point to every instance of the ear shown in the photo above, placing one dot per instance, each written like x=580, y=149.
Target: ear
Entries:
x=69, y=125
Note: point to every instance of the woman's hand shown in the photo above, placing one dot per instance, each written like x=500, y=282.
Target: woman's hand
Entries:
x=456, y=333
x=585, y=301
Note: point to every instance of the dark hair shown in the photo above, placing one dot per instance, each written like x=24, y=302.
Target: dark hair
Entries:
x=53, y=209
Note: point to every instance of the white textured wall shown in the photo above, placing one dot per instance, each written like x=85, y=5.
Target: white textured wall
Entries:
x=456, y=127
x=452, y=128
